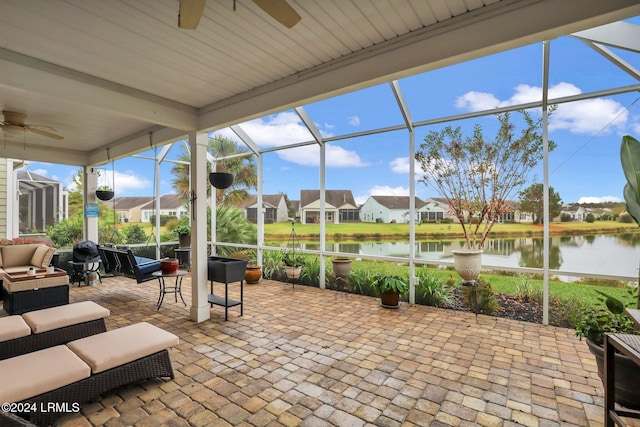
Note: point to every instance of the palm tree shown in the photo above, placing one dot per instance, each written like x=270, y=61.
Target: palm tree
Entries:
x=243, y=168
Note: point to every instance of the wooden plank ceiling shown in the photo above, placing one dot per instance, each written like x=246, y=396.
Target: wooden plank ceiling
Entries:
x=105, y=72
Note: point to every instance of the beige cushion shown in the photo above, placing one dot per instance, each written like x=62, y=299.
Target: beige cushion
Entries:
x=13, y=327
x=18, y=255
x=65, y=315
x=42, y=256
x=35, y=283
x=35, y=373
x=119, y=346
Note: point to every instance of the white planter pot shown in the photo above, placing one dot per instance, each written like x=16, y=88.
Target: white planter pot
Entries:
x=468, y=263
x=292, y=272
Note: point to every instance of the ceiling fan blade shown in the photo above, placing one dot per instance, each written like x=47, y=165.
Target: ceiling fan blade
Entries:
x=190, y=13
x=45, y=133
x=279, y=10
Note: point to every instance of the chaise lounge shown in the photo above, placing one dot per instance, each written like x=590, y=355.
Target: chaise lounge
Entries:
x=84, y=369
x=49, y=327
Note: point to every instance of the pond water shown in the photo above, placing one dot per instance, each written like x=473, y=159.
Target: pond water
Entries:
x=616, y=255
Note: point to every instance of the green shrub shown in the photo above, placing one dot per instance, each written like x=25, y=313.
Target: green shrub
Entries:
x=526, y=290
x=590, y=218
x=481, y=298
x=625, y=218
x=134, y=233
x=434, y=291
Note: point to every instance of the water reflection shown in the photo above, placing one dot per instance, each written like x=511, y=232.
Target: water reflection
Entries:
x=597, y=254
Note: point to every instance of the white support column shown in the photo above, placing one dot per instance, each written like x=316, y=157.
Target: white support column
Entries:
x=156, y=192
x=89, y=196
x=13, y=201
x=259, y=213
x=323, y=213
x=545, y=192
x=200, y=309
x=412, y=216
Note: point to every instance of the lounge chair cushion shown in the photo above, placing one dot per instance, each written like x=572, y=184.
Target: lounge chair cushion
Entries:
x=42, y=256
x=12, y=327
x=123, y=345
x=18, y=255
x=147, y=265
x=39, y=372
x=64, y=315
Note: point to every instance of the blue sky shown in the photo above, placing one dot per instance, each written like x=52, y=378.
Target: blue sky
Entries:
x=585, y=167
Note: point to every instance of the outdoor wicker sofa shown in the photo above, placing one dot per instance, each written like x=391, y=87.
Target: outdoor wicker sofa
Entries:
x=85, y=369
x=49, y=327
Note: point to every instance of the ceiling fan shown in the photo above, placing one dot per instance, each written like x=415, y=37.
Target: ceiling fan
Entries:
x=191, y=12
x=14, y=121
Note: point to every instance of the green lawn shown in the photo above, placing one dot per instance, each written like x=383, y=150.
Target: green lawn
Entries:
x=359, y=230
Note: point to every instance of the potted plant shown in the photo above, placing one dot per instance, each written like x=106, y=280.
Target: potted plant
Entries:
x=104, y=193
x=253, y=272
x=478, y=176
x=390, y=288
x=183, y=231
x=292, y=263
x=592, y=323
x=341, y=267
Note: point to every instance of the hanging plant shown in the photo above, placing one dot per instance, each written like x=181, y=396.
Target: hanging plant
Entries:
x=105, y=193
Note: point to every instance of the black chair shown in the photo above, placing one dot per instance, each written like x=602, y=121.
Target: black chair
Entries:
x=124, y=262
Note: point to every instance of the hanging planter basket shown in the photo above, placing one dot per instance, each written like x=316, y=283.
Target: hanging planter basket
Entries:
x=221, y=180
x=105, y=195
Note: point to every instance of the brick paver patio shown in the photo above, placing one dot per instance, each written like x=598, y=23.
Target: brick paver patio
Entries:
x=314, y=357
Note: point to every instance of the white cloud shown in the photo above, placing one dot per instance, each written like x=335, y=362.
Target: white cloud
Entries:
x=354, y=121
x=382, y=190
x=582, y=117
x=126, y=181
x=603, y=199
x=42, y=172
x=591, y=116
x=286, y=128
x=478, y=101
x=335, y=156
x=401, y=165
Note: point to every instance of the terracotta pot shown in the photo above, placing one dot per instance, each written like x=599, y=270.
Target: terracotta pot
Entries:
x=253, y=274
x=468, y=263
x=390, y=299
x=342, y=267
x=627, y=373
x=169, y=265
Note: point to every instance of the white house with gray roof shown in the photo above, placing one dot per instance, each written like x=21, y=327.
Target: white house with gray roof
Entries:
x=388, y=209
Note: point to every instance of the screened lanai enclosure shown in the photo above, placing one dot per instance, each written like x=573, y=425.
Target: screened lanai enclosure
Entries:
x=112, y=78
x=42, y=202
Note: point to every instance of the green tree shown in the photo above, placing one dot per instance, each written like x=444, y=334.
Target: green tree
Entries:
x=75, y=196
x=478, y=175
x=135, y=234
x=291, y=209
x=531, y=200
x=243, y=168
x=232, y=226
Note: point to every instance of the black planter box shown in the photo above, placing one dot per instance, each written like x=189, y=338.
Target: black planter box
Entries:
x=225, y=270
x=35, y=299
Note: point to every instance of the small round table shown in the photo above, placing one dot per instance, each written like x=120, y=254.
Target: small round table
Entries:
x=176, y=290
